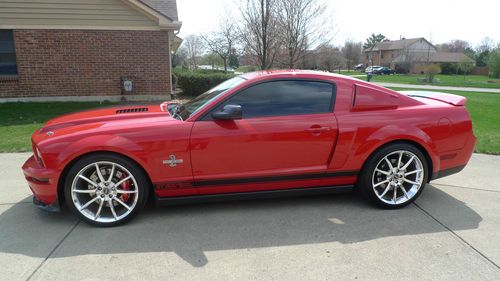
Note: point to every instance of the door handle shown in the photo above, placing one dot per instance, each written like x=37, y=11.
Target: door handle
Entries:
x=318, y=129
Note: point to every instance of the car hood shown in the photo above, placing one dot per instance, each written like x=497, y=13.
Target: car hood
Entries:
x=104, y=118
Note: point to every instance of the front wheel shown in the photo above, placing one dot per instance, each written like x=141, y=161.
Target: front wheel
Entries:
x=105, y=189
x=394, y=176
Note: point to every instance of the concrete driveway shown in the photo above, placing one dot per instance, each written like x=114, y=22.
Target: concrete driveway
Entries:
x=451, y=233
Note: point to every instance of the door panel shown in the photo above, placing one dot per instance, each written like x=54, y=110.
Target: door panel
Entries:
x=262, y=147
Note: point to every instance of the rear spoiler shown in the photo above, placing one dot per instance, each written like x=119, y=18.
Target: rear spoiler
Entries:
x=455, y=100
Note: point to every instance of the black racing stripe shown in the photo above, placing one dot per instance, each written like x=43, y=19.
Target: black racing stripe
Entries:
x=276, y=178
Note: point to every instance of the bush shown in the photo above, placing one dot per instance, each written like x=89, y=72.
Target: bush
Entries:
x=430, y=71
x=194, y=83
x=449, y=68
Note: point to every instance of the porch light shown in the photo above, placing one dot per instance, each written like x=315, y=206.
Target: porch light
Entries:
x=127, y=85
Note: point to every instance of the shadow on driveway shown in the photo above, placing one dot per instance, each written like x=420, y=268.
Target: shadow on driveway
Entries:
x=191, y=230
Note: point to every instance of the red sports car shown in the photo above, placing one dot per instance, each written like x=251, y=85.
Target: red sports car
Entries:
x=256, y=135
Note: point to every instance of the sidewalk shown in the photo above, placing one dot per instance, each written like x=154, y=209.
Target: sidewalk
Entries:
x=444, y=88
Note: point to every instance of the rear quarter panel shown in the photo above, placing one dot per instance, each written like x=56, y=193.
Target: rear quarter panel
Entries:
x=441, y=129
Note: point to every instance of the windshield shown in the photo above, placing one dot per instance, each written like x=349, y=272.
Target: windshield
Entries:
x=184, y=111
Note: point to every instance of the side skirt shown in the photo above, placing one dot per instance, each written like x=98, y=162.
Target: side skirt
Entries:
x=162, y=201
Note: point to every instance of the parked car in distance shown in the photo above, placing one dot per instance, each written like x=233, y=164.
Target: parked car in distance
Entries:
x=359, y=67
x=384, y=71
x=256, y=135
x=373, y=69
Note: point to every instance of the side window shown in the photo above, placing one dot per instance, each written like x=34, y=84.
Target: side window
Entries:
x=8, y=64
x=285, y=97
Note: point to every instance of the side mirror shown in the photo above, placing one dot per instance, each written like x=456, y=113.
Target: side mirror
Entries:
x=228, y=112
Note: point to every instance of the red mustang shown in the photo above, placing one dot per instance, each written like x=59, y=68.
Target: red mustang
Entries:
x=258, y=134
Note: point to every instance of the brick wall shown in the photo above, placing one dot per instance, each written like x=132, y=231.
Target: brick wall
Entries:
x=88, y=62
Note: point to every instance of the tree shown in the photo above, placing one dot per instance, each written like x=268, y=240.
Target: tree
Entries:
x=482, y=58
x=352, y=53
x=193, y=48
x=486, y=44
x=260, y=33
x=494, y=62
x=302, y=22
x=328, y=58
x=465, y=66
x=483, y=51
x=455, y=46
x=223, y=41
x=233, y=60
x=179, y=58
x=373, y=39
x=211, y=59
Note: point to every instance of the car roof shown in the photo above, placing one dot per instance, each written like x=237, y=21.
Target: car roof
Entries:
x=293, y=73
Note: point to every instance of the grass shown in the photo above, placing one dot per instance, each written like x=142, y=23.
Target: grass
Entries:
x=473, y=81
x=350, y=72
x=18, y=121
x=484, y=109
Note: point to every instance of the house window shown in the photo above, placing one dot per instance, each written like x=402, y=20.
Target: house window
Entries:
x=8, y=65
x=381, y=55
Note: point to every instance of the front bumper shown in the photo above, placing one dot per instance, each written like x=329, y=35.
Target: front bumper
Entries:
x=52, y=208
x=43, y=183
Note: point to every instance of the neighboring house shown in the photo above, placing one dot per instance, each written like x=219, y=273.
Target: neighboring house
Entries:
x=410, y=55
x=87, y=48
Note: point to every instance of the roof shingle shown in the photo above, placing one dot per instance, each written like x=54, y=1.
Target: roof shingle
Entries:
x=395, y=44
x=167, y=8
x=435, y=57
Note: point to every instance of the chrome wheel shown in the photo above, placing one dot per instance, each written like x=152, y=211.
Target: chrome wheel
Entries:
x=104, y=192
x=398, y=177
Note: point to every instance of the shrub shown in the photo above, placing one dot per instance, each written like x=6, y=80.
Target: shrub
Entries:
x=430, y=71
x=449, y=68
x=194, y=83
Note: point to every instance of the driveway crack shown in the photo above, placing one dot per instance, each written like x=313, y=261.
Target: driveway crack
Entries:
x=53, y=250
x=458, y=236
x=464, y=187
x=5, y=204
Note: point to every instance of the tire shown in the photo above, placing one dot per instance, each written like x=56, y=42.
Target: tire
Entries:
x=392, y=187
x=104, y=199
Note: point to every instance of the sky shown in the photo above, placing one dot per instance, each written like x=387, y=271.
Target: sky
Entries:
x=437, y=20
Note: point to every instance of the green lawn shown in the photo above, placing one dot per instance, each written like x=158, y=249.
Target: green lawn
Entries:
x=350, y=72
x=474, y=81
x=484, y=109
x=18, y=121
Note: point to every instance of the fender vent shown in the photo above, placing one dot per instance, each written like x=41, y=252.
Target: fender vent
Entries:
x=132, y=110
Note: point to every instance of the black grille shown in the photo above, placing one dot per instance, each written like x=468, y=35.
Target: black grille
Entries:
x=132, y=110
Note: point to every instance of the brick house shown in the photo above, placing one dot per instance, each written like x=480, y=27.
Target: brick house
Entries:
x=85, y=50
x=410, y=55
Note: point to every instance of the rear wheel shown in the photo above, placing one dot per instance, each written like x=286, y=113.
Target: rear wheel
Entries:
x=105, y=189
x=394, y=176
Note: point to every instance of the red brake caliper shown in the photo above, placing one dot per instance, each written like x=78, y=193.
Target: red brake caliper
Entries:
x=125, y=186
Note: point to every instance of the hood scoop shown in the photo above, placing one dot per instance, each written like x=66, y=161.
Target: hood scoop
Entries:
x=131, y=110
